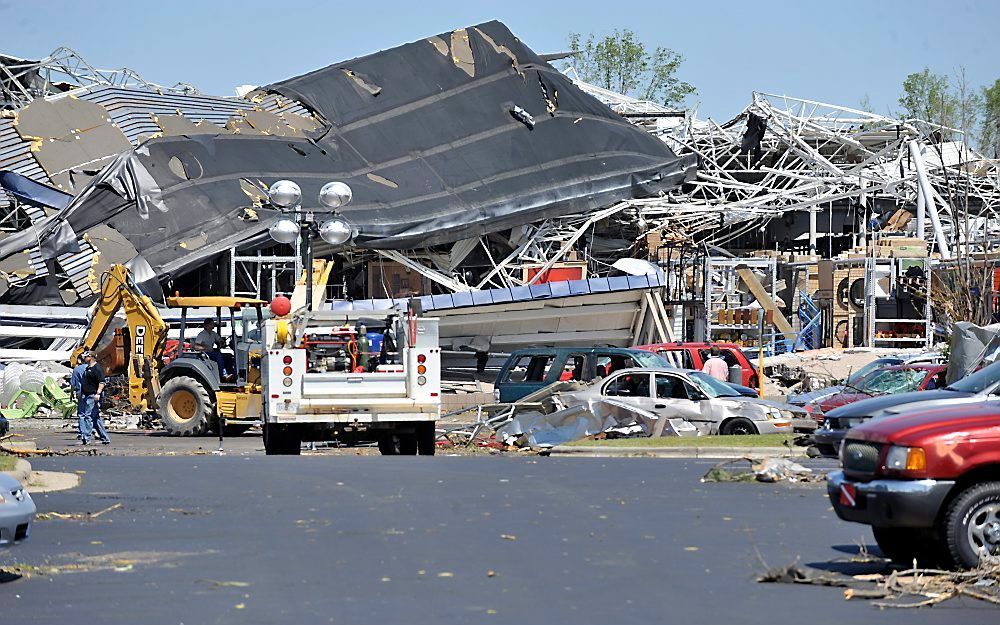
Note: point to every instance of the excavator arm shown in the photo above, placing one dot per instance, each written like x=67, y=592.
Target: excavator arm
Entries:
x=147, y=334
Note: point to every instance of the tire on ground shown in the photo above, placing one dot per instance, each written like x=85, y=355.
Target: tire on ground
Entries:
x=281, y=441
x=426, y=437
x=738, y=426
x=185, y=407
x=388, y=443
x=903, y=545
x=969, y=524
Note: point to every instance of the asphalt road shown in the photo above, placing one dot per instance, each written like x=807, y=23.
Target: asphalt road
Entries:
x=344, y=539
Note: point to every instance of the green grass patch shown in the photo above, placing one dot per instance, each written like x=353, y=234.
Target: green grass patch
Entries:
x=7, y=462
x=762, y=440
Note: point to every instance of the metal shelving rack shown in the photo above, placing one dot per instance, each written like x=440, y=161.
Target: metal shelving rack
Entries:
x=872, y=266
x=726, y=296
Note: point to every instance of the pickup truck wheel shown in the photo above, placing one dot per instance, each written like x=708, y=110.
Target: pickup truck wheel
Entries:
x=903, y=545
x=388, y=444
x=738, y=427
x=407, y=444
x=279, y=441
x=185, y=407
x=426, y=435
x=972, y=525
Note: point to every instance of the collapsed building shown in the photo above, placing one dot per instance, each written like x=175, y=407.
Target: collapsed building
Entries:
x=500, y=191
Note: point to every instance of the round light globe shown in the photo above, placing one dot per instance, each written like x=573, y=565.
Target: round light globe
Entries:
x=284, y=231
x=336, y=231
x=284, y=194
x=335, y=194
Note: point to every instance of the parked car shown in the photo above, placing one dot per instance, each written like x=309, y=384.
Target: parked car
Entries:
x=927, y=482
x=17, y=511
x=884, y=381
x=801, y=399
x=693, y=356
x=983, y=385
x=527, y=370
x=713, y=407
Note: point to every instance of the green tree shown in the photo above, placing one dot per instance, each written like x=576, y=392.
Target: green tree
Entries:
x=989, y=136
x=928, y=97
x=622, y=63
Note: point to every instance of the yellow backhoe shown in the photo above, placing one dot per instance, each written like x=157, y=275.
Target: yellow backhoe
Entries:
x=189, y=393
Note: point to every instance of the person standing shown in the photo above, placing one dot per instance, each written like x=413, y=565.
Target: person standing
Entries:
x=75, y=382
x=715, y=366
x=89, y=404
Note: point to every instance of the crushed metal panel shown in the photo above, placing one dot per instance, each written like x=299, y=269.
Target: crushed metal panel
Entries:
x=182, y=125
x=464, y=166
x=69, y=133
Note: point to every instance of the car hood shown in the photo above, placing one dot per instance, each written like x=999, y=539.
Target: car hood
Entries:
x=800, y=399
x=981, y=420
x=795, y=410
x=875, y=405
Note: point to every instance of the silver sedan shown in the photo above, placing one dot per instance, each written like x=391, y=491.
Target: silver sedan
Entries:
x=711, y=406
x=17, y=511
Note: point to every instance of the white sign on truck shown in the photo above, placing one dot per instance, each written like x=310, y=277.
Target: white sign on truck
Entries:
x=350, y=377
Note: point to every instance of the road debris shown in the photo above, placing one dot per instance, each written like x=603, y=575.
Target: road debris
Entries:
x=769, y=470
x=76, y=516
x=888, y=587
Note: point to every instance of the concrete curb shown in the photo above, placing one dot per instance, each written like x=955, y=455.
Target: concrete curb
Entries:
x=22, y=469
x=603, y=451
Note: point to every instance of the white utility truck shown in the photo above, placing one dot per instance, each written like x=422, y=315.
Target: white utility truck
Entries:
x=351, y=377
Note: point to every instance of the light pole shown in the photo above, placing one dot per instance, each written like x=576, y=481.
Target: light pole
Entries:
x=287, y=196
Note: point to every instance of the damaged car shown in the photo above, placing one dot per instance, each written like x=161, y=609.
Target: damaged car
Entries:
x=711, y=406
x=17, y=511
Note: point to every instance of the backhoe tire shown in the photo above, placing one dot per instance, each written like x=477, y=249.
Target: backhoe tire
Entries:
x=185, y=407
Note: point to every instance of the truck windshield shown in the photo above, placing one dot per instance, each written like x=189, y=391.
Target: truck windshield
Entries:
x=978, y=381
x=712, y=387
x=649, y=359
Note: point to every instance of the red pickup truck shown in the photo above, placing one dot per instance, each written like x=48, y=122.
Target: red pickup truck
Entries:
x=927, y=482
x=693, y=356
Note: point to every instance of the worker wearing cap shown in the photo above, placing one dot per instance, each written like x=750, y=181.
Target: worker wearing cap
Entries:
x=715, y=366
x=210, y=342
x=88, y=410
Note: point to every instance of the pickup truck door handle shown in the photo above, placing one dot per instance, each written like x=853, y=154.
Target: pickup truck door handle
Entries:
x=660, y=406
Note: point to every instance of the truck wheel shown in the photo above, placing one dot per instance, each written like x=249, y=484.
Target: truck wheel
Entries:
x=407, y=444
x=185, y=407
x=903, y=545
x=738, y=427
x=280, y=441
x=426, y=435
x=388, y=443
x=972, y=525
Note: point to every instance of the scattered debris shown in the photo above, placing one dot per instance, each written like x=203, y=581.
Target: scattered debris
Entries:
x=769, y=469
x=76, y=516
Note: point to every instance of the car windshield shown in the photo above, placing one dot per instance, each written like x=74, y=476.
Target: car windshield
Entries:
x=885, y=381
x=978, y=381
x=649, y=359
x=711, y=386
x=874, y=365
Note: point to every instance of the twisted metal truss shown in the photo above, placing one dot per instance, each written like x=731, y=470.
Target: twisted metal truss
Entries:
x=23, y=80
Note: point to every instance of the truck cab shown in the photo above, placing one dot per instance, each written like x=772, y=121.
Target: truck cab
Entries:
x=927, y=482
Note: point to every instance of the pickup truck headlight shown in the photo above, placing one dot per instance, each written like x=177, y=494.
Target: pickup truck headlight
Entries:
x=905, y=459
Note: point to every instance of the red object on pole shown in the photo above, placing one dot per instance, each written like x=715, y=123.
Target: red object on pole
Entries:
x=281, y=306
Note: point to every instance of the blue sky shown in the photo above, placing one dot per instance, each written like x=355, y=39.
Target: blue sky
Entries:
x=834, y=52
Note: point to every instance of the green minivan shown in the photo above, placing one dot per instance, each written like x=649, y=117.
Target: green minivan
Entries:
x=528, y=370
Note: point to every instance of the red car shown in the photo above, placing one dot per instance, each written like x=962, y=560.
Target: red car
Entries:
x=927, y=482
x=693, y=356
x=896, y=379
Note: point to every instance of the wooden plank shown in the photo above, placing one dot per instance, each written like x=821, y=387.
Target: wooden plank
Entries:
x=764, y=299
x=640, y=321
